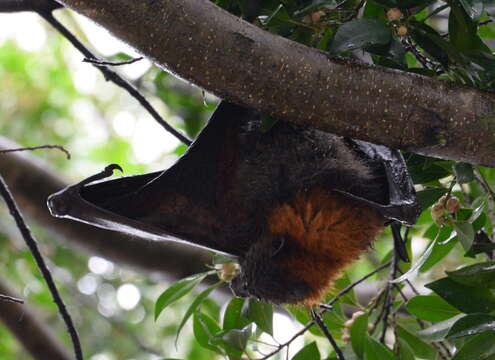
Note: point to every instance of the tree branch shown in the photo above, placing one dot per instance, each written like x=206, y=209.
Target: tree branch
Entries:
x=40, y=262
x=28, y=5
x=244, y=64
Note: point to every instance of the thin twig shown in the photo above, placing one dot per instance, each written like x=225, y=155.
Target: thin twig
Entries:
x=31, y=243
x=409, y=46
x=29, y=148
x=319, y=321
x=484, y=184
x=488, y=190
x=112, y=76
x=388, y=302
x=408, y=282
x=327, y=307
x=436, y=11
x=11, y=299
x=354, y=284
x=111, y=63
x=486, y=22
x=399, y=290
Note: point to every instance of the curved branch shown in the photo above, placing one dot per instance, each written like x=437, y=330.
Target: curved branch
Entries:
x=244, y=64
x=31, y=182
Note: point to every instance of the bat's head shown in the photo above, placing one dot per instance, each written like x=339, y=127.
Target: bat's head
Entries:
x=264, y=274
x=305, y=245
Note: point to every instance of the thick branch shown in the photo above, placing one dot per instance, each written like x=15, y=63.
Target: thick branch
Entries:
x=31, y=183
x=29, y=329
x=242, y=63
x=27, y=5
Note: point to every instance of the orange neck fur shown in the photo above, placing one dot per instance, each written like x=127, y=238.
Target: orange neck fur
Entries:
x=330, y=231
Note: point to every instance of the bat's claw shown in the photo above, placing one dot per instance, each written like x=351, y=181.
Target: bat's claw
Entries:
x=60, y=203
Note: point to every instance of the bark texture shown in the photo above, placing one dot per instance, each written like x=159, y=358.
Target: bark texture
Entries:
x=239, y=62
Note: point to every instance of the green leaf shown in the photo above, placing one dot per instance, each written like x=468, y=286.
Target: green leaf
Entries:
x=431, y=308
x=374, y=9
x=463, y=31
x=408, y=4
x=358, y=34
x=427, y=38
x=359, y=333
x=233, y=318
x=416, y=265
x=406, y=352
x=464, y=173
x=205, y=329
x=194, y=306
x=465, y=298
x=219, y=259
x=420, y=348
x=238, y=338
x=474, y=8
x=421, y=175
x=309, y=352
x=394, y=51
x=443, y=245
x=341, y=283
x=477, y=275
x=479, y=347
x=478, y=207
x=465, y=232
x=438, y=331
x=279, y=22
x=472, y=324
x=374, y=350
x=177, y=291
x=428, y=197
x=260, y=313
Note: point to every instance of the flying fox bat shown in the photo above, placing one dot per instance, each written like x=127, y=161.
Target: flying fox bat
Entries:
x=293, y=204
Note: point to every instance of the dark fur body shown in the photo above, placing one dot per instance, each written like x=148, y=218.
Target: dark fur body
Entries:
x=229, y=191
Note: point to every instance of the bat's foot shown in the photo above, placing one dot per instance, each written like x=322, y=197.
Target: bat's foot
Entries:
x=107, y=172
x=60, y=203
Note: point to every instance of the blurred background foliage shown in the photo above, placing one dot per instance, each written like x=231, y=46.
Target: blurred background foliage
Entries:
x=49, y=96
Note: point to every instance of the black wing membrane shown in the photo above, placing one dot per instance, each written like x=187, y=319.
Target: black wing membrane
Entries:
x=220, y=192
x=178, y=204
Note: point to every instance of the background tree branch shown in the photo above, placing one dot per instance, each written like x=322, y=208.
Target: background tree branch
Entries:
x=244, y=64
x=27, y=326
x=31, y=182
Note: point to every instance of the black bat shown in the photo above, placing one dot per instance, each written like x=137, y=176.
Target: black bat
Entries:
x=293, y=204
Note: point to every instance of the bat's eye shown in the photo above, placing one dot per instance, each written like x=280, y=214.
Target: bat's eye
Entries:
x=277, y=245
x=245, y=286
x=239, y=286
